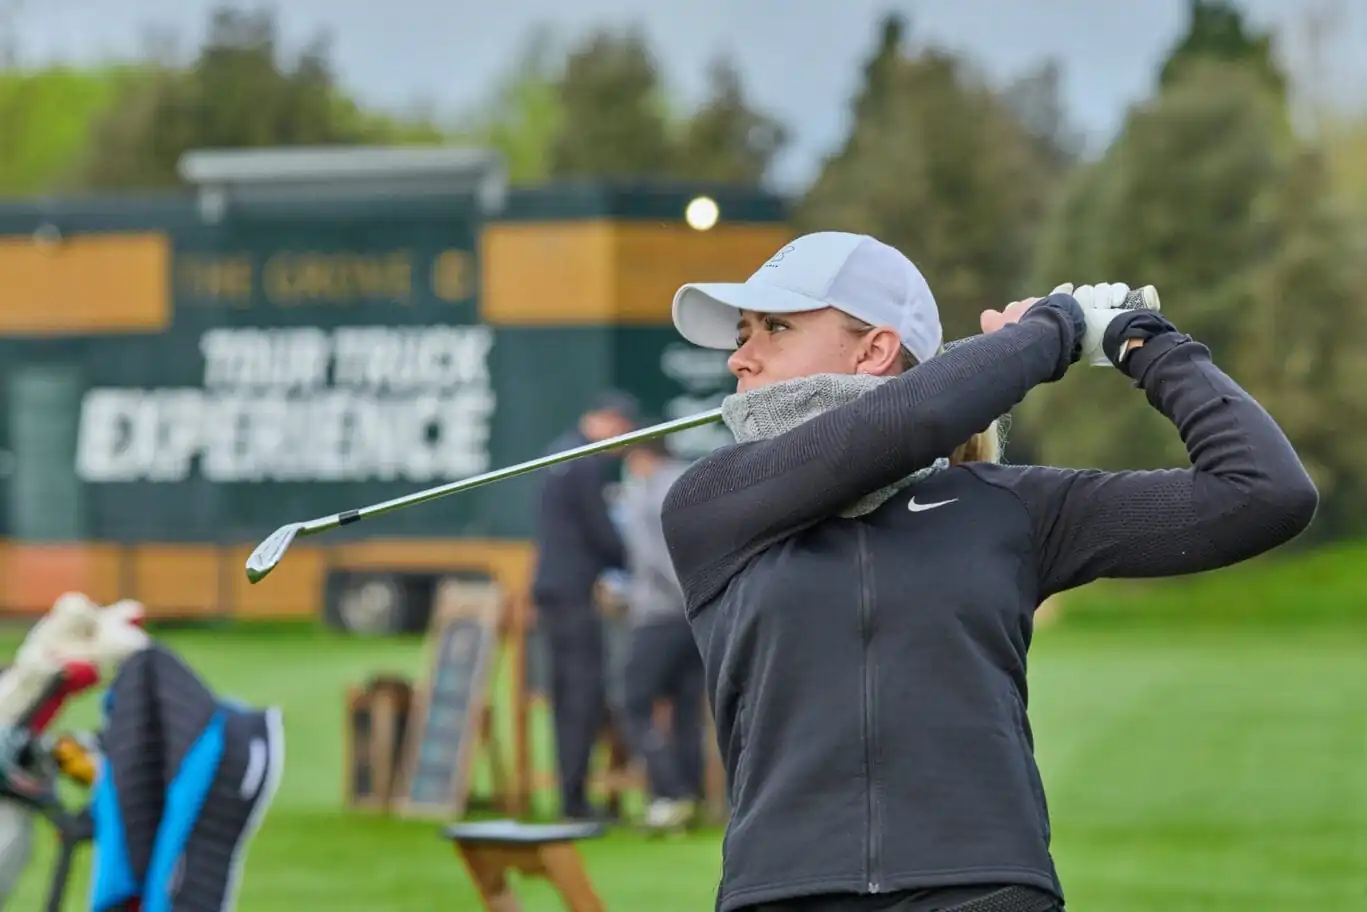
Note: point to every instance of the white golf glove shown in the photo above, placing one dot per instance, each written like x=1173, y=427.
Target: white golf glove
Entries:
x=1102, y=303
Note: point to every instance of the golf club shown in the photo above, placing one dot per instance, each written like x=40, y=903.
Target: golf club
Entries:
x=270, y=552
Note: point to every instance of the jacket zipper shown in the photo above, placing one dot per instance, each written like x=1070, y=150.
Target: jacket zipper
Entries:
x=870, y=726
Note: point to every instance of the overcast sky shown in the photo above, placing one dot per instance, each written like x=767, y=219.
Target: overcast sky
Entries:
x=800, y=57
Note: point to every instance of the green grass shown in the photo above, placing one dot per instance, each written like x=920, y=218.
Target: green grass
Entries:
x=1188, y=769
x=1285, y=588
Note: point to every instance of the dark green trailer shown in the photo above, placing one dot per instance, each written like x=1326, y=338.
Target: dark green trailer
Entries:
x=183, y=374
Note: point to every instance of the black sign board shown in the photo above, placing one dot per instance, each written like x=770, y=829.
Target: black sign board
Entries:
x=361, y=724
x=450, y=700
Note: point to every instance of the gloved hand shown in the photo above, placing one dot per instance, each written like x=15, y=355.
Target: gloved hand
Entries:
x=1101, y=304
x=611, y=593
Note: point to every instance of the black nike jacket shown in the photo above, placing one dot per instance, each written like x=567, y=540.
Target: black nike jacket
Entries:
x=868, y=676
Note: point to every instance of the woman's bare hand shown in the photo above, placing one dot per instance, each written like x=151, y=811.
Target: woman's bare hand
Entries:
x=993, y=320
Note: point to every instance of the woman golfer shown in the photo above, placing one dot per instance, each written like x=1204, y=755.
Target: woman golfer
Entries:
x=860, y=574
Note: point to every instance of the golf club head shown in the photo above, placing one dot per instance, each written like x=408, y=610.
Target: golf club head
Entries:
x=270, y=551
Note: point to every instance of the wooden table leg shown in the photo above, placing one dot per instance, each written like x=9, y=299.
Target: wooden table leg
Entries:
x=491, y=879
x=522, y=787
x=566, y=872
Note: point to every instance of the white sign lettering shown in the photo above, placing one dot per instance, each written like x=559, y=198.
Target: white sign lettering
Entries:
x=706, y=381
x=304, y=404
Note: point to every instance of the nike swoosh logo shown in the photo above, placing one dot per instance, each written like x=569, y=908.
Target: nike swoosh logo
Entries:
x=915, y=507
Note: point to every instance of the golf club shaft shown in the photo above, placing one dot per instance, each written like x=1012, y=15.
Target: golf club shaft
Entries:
x=324, y=523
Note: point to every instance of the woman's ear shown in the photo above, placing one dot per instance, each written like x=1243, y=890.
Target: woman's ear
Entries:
x=880, y=353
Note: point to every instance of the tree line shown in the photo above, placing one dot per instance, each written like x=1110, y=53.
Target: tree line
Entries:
x=1254, y=230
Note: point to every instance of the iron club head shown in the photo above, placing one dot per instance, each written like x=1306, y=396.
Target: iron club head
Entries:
x=270, y=551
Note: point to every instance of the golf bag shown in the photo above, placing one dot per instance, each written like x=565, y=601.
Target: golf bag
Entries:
x=21, y=807
x=185, y=780
x=69, y=650
x=16, y=844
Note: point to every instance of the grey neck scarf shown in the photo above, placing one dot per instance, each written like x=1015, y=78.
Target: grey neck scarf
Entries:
x=769, y=411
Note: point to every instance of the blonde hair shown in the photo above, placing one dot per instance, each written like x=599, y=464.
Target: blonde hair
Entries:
x=988, y=445
x=984, y=446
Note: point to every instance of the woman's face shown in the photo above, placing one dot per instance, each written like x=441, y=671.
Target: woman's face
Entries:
x=775, y=347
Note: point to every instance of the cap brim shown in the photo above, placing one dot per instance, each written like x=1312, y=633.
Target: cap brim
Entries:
x=706, y=313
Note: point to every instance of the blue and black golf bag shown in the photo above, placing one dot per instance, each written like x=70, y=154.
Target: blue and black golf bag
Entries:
x=185, y=780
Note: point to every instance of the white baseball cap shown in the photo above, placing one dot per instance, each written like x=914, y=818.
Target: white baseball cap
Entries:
x=853, y=273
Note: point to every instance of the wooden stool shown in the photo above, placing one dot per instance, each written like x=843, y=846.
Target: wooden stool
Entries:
x=493, y=848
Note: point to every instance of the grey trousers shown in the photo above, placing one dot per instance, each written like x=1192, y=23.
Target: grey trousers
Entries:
x=664, y=665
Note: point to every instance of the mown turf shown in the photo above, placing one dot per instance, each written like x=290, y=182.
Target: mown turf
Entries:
x=1187, y=770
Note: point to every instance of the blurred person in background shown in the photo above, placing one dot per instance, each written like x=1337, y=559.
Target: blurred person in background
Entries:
x=611, y=598
x=663, y=662
x=576, y=542
x=861, y=572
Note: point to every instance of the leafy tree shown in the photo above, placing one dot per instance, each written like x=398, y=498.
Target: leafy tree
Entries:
x=48, y=116
x=1300, y=347
x=881, y=73
x=1345, y=146
x=1216, y=31
x=939, y=165
x=237, y=94
x=726, y=139
x=524, y=114
x=1036, y=98
x=614, y=122
x=1208, y=196
x=599, y=112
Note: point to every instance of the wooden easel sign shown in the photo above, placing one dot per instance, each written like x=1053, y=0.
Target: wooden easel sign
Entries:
x=377, y=716
x=449, y=700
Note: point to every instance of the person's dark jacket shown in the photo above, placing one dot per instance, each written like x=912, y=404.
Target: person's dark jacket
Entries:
x=868, y=676
x=576, y=539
